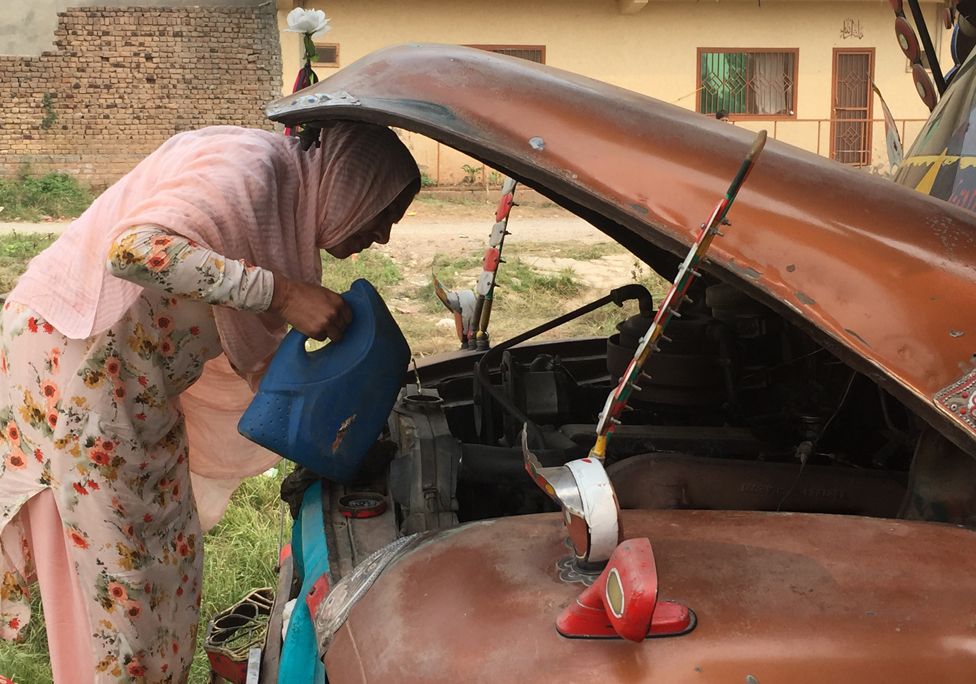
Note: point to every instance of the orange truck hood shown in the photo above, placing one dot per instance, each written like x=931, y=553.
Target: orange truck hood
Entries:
x=881, y=275
x=782, y=597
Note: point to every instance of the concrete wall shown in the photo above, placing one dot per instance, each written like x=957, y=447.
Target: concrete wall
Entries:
x=121, y=81
x=653, y=51
x=27, y=26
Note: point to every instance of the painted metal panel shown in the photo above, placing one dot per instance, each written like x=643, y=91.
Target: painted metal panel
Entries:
x=782, y=597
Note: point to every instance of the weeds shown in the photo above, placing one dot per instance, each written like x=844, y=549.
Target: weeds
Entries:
x=461, y=273
x=50, y=116
x=579, y=251
x=641, y=274
x=584, y=252
x=470, y=173
x=425, y=180
x=16, y=249
x=457, y=266
x=519, y=276
x=28, y=661
x=30, y=198
x=376, y=267
x=240, y=553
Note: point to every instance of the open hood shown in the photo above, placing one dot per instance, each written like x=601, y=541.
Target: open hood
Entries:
x=880, y=274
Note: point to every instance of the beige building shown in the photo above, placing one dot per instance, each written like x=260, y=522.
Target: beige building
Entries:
x=802, y=70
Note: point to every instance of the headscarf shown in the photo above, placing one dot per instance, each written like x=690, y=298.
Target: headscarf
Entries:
x=246, y=194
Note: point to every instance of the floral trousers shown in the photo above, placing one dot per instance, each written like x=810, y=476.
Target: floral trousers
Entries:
x=93, y=422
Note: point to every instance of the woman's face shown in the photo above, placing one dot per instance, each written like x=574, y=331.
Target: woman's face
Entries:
x=377, y=229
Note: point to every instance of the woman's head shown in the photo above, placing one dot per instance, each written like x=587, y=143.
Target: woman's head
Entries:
x=377, y=229
x=363, y=179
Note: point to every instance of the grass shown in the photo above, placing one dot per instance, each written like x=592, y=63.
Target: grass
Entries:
x=26, y=197
x=241, y=553
x=526, y=296
x=571, y=249
x=16, y=249
x=27, y=663
x=453, y=273
x=518, y=276
x=641, y=274
x=591, y=252
x=376, y=267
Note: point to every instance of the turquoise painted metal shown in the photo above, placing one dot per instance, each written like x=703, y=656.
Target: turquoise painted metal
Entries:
x=299, y=652
x=324, y=409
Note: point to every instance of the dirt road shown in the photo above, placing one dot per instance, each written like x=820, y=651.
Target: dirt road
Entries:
x=432, y=226
x=421, y=235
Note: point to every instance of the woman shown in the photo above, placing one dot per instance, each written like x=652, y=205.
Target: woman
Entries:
x=211, y=245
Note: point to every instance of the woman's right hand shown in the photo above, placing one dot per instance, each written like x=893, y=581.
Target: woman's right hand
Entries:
x=313, y=310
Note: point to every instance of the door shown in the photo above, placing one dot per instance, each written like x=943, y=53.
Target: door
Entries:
x=850, y=119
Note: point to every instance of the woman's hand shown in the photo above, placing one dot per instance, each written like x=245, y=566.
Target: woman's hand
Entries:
x=313, y=310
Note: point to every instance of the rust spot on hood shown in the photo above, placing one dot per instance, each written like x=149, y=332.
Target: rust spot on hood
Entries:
x=337, y=442
x=805, y=299
x=745, y=271
x=858, y=337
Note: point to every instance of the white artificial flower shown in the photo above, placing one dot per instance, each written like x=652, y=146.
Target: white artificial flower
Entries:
x=313, y=22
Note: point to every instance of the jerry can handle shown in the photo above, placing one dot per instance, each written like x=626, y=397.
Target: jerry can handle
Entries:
x=293, y=345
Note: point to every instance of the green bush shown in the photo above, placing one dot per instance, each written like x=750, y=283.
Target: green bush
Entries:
x=425, y=180
x=28, y=198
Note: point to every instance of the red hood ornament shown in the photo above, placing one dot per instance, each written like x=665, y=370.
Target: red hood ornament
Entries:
x=622, y=603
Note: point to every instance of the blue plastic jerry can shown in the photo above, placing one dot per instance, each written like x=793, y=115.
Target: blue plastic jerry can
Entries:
x=324, y=409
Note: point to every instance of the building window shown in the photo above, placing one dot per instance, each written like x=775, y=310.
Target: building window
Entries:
x=328, y=55
x=533, y=53
x=747, y=83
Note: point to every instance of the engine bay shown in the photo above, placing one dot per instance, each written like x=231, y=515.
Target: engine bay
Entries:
x=739, y=410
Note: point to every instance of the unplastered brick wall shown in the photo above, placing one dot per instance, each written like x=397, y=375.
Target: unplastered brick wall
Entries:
x=122, y=80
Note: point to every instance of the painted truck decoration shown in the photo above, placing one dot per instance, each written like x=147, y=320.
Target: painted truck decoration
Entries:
x=472, y=310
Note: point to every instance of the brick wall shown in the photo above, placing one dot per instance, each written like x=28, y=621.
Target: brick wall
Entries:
x=122, y=80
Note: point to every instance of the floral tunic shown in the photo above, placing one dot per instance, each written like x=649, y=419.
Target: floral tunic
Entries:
x=99, y=423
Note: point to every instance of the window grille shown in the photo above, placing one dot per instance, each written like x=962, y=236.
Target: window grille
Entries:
x=748, y=83
x=328, y=54
x=850, y=124
x=533, y=53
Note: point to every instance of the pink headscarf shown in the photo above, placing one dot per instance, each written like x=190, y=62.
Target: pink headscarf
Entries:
x=246, y=194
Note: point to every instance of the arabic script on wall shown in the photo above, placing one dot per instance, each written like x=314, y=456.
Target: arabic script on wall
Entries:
x=851, y=28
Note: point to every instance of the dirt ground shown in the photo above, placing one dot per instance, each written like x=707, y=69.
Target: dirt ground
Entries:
x=433, y=228
x=546, y=240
